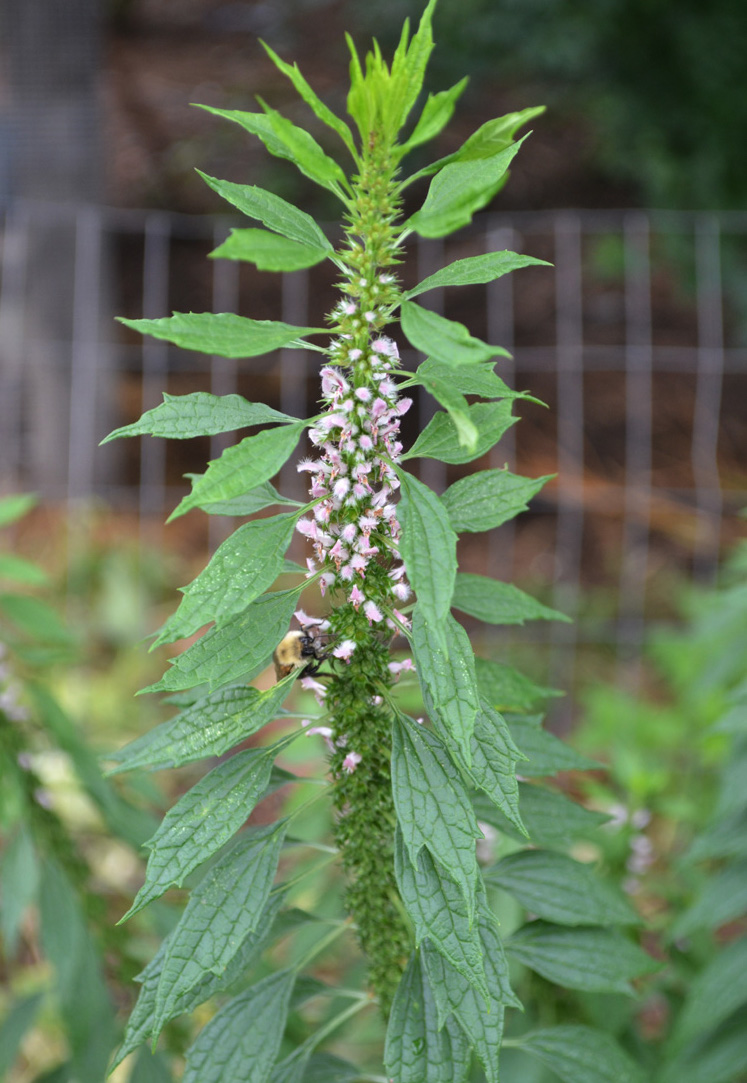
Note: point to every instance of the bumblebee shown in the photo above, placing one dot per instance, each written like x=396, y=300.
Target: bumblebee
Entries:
x=302, y=648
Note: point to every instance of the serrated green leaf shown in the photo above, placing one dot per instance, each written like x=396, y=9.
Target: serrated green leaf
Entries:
x=431, y=568
x=17, y=1021
x=458, y=190
x=22, y=571
x=242, y=467
x=475, y=270
x=417, y=1049
x=263, y=496
x=239, y=649
x=457, y=408
x=595, y=960
x=445, y=340
x=489, y=498
x=326, y=1068
x=467, y=379
x=719, y=1057
x=560, y=889
x=15, y=507
x=268, y=251
x=181, y=417
x=506, y=689
x=203, y=820
x=546, y=755
x=272, y=211
x=241, y=1042
x=437, y=112
x=225, y=907
x=209, y=727
x=550, y=818
x=498, y=603
x=318, y=107
x=446, y=673
x=283, y=139
x=292, y=1069
x=581, y=1055
x=726, y=838
x=222, y=333
x=433, y=808
x=408, y=71
x=440, y=438
x=19, y=882
x=723, y=899
x=242, y=567
x=36, y=619
x=439, y=912
x=717, y=991
x=494, y=758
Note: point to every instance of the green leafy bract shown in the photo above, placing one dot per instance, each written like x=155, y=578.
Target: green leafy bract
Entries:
x=440, y=439
x=268, y=251
x=581, y=1055
x=181, y=417
x=505, y=689
x=493, y=763
x=445, y=340
x=498, y=603
x=437, y=112
x=474, y=271
x=489, y=498
x=223, y=333
x=272, y=211
x=431, y=571
x=467, y=379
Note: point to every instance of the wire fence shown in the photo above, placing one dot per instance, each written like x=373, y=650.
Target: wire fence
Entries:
x=635, y=339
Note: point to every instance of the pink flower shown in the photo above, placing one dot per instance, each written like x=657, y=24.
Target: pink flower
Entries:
x=372, y=611
x=351, y=761
x=344, y=650
x=356, y=596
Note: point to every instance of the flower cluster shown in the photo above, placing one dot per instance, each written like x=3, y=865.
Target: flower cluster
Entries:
x=354, y=481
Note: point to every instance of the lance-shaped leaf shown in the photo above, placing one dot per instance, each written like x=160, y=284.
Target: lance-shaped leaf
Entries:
x=723, y=899
x=456, y=406
x=268, y=251
x=240, y=648
x=433, y=808
x=446, y=671
x=263, y=496
x=417, y=1049
x=204, y=819
x=550, y=818
x=408, y=71
x=437, y=112
x=242, y=467
x=225, y=907
x=242, y=1041
x=489, y=498
x=209, y=727
x=180, y=417
x=440, y=438
x=17, y=1020
x=715, y=993
x=19, y=883
x=241, y=568
x=475, y=270
x=428, y=549
x=545, y=754
x=481, y=1023
x=581, y=1055
x=15, y=507
x=222, y=333
x=284, y=139
x=493, y=766
x=459, y=190
x=505, y=689
x=20, y=570
x=498, y=603
x=555, y=887
x=466, y=379
x=445, y=340
x=272, y=211
x=595, y=960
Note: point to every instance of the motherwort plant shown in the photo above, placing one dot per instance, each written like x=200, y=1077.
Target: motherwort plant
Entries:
x=382, y=553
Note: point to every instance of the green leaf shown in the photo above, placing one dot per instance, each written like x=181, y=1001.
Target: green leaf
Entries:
x=437, y=112
x=717, y=991
x=263, y=496
x=284, y=139
x=242, y=467
x=36, y=619
x=458, y=190
x=239, y=649
x=210, y=727
x=594, y=960
x=223, y=333
x=726, y=838
x=408, y=72
x=445, y=340
x=17, y=1021
x=489, y=498
x=466, y=379
x=506, y=689
x=494, y=757
x=433, y=808
x=498, y=603
x=581, y=1055
x=315, y=103
x=225, y=907
x=180, y=417
x=22, y=571
x=326, y=1068
x=720, y=1057
x=440, y=438
x=490, y=138
x=475, y=270
x=268, y=251
x=546, y=755
x=723, y=899
x=15, y=507
x=446, y=671
x=241, y=1042
x=550, y=818
x=272, y=211
x=203, y=820
x=456, y=406
x=19, y=882
x=560, y=889
x=431, y=567
x=438, y=911
x=242, y=567
x=417, y=1049
x=483, y=1028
